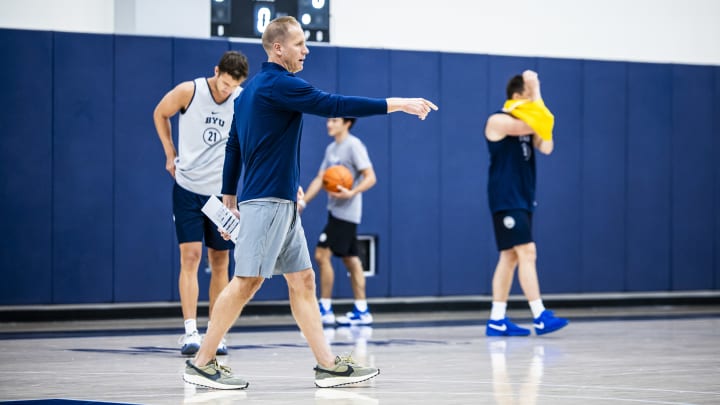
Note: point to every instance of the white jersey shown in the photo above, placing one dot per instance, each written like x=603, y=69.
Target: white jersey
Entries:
x=202, y=135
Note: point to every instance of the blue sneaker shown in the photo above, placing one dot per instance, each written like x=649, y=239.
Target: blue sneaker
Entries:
x=190, y=343
x=504, y=327
x=355, y=318
x=327, y=316
x=548, y=323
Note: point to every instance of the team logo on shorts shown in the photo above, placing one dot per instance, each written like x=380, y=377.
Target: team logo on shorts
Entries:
x=509, y=222
x=323, y=237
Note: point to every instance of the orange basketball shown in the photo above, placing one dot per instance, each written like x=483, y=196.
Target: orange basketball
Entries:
x=337, y=176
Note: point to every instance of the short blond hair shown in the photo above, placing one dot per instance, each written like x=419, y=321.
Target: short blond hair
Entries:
x=277, y=30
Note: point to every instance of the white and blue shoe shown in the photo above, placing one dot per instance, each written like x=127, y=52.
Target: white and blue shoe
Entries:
x=190, y=343
x=548, y=323
x=504, y=327
x=222, y=349
x=355, y=317
x=327, y=316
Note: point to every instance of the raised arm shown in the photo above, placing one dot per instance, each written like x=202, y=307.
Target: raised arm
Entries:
x=533, y=84
x=500, y=125
x=174, y=101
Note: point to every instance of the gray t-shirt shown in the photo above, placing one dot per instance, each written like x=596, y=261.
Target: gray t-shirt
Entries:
x=352, y=154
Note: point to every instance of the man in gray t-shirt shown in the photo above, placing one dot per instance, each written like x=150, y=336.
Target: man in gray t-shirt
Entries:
x=339, y=237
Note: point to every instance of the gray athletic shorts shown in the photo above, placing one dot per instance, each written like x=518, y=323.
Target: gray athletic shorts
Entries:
x=271, y=240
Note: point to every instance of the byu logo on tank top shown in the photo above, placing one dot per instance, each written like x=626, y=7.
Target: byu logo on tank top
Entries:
x=203, y=133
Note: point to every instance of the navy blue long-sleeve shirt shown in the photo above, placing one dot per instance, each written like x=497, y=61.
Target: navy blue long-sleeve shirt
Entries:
x=267, y=128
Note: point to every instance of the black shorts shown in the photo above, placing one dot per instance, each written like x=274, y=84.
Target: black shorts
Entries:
x=340, y=236
x=191, y=225
x=512, y=228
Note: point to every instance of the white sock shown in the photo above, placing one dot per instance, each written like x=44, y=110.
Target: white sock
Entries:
x=361, y=305
x=537, y=307
x=190, y=326
x=498, y=310
x=326, y=303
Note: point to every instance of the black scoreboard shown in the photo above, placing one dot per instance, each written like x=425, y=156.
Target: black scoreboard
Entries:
x=248, y=18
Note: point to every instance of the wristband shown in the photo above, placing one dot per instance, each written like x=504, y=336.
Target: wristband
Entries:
x=302, y=203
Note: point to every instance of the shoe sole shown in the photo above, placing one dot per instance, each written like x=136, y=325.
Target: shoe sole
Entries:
x=189, y=351
x=342, y=381
x=541, y=332
x=502, y=334
x=201, y=381
x=354, y=323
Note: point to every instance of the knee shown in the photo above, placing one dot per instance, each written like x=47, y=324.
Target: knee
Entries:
x=245, y=287
x=190, y=257
x=509, y=257
x=351, y=263
x=219, y=260
x=322, y=256
x=526, y=252
x=303, y=281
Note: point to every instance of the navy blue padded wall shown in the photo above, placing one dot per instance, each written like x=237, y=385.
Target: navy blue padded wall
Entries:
x=83, y=165
x=716, y=137
x=603, y=176
x=415, y=171
x=25, y=164
x=500, y=70
x=255, y=54
x=693, y=167
x=556, y=226
x=467, y=246
x=648, y=215
x=365, y=72
x=193, y=58
x=144, y=232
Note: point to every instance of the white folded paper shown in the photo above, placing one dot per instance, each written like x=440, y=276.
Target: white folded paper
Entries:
x=221, y=216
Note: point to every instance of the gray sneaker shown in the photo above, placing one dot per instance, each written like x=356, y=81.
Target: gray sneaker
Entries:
x=213, y=375
x=345, y=372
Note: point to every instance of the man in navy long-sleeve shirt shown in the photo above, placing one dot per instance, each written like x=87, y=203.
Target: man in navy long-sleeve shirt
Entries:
x=265, y=140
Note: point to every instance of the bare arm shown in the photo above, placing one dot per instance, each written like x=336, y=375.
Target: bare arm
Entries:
x=545, y=147
x=366, y=184
x=533, y=84
x=500, y=125
x=174, y=101
x=314, y=188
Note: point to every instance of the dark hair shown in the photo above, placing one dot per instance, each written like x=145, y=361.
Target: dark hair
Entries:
x=351, y=120
x=515, y=85
x=235, y=64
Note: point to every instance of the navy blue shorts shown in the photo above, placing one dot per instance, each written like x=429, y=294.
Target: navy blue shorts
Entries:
x=512, y=228
x=191, y=225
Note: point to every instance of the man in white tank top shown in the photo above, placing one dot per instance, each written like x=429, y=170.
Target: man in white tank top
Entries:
x=206, y=108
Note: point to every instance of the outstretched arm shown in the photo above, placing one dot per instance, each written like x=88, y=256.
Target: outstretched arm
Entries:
x=296, y=94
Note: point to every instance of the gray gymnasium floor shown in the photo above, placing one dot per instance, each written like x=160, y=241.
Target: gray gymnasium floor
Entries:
x=658, y=355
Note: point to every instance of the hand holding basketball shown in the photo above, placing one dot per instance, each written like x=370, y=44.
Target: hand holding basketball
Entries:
x=342, y=193
x=336, y=176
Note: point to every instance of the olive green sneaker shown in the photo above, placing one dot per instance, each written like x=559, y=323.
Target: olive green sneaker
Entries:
x=345, y=372
x=213, y=375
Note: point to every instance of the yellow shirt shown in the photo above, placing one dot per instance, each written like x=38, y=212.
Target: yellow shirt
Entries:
x=533, y=113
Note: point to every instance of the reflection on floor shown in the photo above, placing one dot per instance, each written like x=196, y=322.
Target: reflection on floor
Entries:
x=424, y=359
